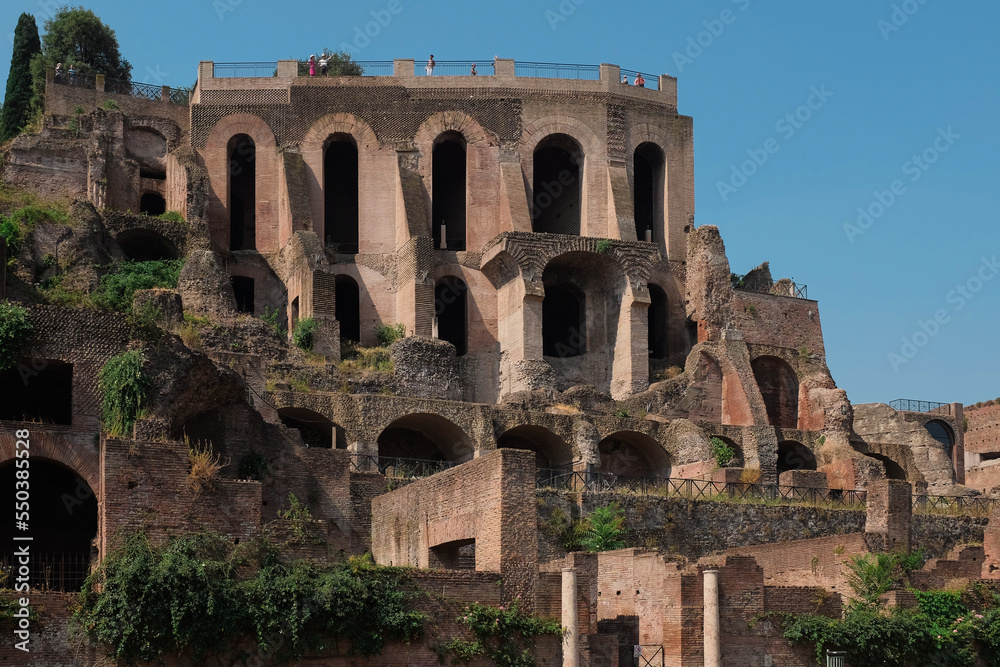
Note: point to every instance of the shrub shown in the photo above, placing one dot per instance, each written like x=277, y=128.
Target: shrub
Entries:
x=603, y=246
x=271, y=319
x=119, y=285
x=16, y=225
x=605, y=530
x=205, y=467
x=110, y=105
x=387, y=334
x=15, y=330
x=723, y=453
x=503, y=634
x=171, y=216
x=304, y=333
x=123, y=383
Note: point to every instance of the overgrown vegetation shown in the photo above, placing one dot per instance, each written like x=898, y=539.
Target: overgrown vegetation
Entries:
x=303, y=335
x=19, y=223
x=15, y=330
x=272, y=320
x=205, y=467
x=202, y=594
x=503, y=634
x=387, y=334
x=119, y=284
x=871, y=576
x=123, y=383
x=171, y=216
x=605, y=529
x=723, y=453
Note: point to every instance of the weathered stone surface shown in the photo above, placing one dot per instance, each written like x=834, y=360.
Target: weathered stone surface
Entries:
x=426, y=367
x=165, y=302
x=205, y=287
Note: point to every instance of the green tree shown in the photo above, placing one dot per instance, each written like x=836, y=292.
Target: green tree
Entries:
x=607, y=526
x=17, y=102
x=77, y=36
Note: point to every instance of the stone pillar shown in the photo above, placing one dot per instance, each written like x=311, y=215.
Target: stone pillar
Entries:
x=164, y=93
x=630, y=365
x=404, y=68
x=99, y=83
x=668, y=86
x=958, y=450
x=611, y=74
x=890, y=511
x=505, y=68
x=713, y=649
x=288, y=69
x=570, y=619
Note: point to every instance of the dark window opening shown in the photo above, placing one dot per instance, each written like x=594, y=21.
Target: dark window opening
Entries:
x=737, y=460
x=450, y=298
x=243, y=291
x=795, y=456
x=63, y=526
x=457, y=555
x=316, y=430
x=408, y=443
x=153, y=203
x=551, y=451
x=448, y=195
x=942, y=433
x=630, y=454
x=154, y=175
x=341, y=199
x=779, y=388
x=348, y=308
x=142, y=245
x=563, y=332
x=657, y=323
x=556, y=186
x=242, y=193
x=37, y=390
x=294, y=315
x=648, y=190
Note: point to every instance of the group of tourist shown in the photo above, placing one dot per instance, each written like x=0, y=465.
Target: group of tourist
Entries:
x=639, y=80
x=324, y=65
x=60, y=74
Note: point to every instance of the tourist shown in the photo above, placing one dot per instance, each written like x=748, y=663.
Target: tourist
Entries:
x=473, y=71
x=312, y=65
x=324, y=65
x=72, y=74
x=625, y=79
x=59, y=73
x=430, y=65
x=639, y=81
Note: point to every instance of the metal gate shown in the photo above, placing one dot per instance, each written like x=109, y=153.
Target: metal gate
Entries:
x=648, y=655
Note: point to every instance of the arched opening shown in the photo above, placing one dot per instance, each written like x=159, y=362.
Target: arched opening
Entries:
x=451, y=310
x=648, y=175
x=425, y=437
x=316, y=430
x=631, y=454
x=737, y=460
x=152, y=203
x=243, y=291
x=941, y=432
x=242, y=193
x=892, y=469
x=448, y=177
x=779, y=388
x=551, y=451
x=63, y=518
x=795, y=456
x=340, y=192
x=657, y=323
x=348, y=308
x=563, y=323
x=557, y=186
x=39, y=390
x=143, y=245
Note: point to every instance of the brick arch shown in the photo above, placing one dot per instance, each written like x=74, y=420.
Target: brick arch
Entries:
x=62, y=448
x=678, y=344
x=452, y=440
x=266, y=167
x=552, y=449
x=452, y=121
x=541, y=128
x=338, y=413
x=166, y=128
x=634, y=453
x=339, y=123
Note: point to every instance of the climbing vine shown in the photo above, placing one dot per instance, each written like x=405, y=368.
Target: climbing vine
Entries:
x=15, y=329
x=124, y=384
x=503, y=634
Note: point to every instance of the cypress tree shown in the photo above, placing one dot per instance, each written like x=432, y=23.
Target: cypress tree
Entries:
x=17, y=102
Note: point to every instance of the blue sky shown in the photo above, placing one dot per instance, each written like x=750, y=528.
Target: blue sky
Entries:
x=899, y=80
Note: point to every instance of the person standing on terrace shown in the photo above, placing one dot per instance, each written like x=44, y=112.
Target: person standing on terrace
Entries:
x=324, y=65
x=639, y=81
x=430, y=65
x=312, y=65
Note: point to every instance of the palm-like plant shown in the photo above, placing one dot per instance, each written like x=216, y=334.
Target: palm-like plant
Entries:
x=607, y=526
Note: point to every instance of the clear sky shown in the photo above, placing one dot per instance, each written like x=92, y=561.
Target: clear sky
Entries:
x=889, y=81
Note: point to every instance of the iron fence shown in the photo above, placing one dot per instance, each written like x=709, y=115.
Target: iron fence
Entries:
x=909, y=405
x=376, y=67
x=696, y=489
x=50, y=571
x=761, y=285
x=558, y=71
x=456, y=67
x=247, y=70
x=145, y=91
x=652, y=82
x=954, y=505
x=78, y=80
x=397, y=467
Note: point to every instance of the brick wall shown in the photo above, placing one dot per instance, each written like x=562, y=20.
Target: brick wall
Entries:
x=781, y=321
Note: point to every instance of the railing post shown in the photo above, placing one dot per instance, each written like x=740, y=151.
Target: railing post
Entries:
x=99, y=83
x=164, y=93
x=288, y=69
x=610, y=74
x=404, y=68
x=504, y=68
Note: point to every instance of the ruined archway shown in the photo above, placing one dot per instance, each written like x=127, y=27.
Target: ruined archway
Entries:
x=152, y=204
x=144, y=245
x=448, y=196
x=795, y=456
x=649, y=179
x=892, y=469
x=451, y=311
x=427, y=437
x=632, y=454
x=556, y=201
x=63, y=523
x=737, y=461
x=941, y=432
x=341, y=193
x=779, y=387
x=315, y=429
x=564, y=329
x=242, y=152
x=551, y=451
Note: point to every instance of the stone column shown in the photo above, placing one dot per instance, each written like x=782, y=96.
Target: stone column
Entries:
x=630, y=363
x=570, y=620
x=713, y=650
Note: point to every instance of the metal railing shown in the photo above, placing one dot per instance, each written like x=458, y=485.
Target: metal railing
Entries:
x=695, y=489
x=760, y=285
x=652, y=82
x=50, y=571
x=146, y=91
x=977, y=506
x=397, y=467
x=909, y=405
x=558, y=71
x=248, y=70
x=78, y=80
x=484, y=67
